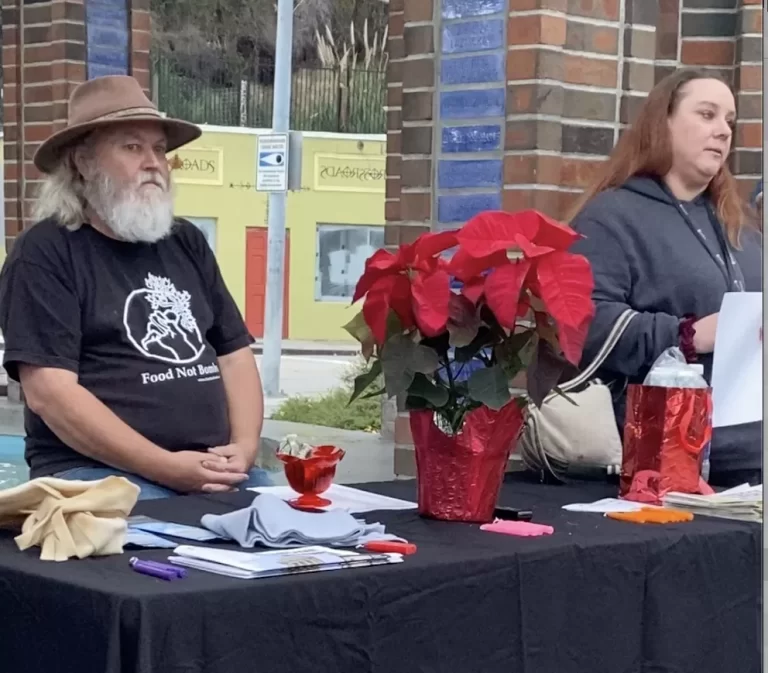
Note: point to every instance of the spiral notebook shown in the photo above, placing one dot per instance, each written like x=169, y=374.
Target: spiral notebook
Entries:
x=247, y=565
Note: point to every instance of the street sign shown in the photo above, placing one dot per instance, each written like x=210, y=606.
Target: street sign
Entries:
x=272, y=163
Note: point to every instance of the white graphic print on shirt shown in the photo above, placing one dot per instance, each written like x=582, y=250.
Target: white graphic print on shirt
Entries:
x=167, y=331
x=158, y=321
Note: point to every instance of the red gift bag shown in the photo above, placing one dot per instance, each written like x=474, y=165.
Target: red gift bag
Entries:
x=665, y=433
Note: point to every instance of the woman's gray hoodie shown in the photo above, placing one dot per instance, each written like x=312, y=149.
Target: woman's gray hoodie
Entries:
x=645, y=255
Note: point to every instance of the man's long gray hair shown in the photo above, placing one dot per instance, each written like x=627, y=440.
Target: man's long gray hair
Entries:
x=61, y=194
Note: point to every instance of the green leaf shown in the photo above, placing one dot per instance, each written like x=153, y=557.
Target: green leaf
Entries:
x=424, y=360
x=373, y=393
x=514, y=353
x=416, y=403
x=545, y=372
x=365, y=379
x=439, y=344
x=490, y=387
x=422, y=387
x=394, y=326
x=402, y=359
x=358, y=329
x=461, y=335
x=395, y=364
x=467, y=353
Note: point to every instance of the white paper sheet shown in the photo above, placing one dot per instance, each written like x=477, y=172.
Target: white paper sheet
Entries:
x=605, y=506
x=737, y=373
x=346, y=498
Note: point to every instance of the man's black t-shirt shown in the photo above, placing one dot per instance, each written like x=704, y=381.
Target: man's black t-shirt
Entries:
x=141, y=325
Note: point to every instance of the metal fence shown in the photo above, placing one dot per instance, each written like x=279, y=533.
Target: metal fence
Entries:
x=322, y=99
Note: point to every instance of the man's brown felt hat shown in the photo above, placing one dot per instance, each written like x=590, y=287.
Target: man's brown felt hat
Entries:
x=114, y=99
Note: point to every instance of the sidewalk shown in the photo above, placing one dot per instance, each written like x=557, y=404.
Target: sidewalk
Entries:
x=294, y=347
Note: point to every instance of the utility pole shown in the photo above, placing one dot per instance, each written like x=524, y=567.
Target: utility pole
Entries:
x=281, y=118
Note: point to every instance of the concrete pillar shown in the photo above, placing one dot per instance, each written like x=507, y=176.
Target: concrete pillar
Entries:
x=514, y=103
x=48, y=48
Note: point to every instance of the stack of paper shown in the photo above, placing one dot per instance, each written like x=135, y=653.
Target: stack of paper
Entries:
x=244, y=565
x=743, y=503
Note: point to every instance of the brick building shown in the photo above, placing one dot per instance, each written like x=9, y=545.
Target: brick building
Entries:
x=513, y=103
x=49, y=47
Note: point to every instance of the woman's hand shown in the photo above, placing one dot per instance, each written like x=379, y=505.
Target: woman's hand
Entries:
x=705, y=330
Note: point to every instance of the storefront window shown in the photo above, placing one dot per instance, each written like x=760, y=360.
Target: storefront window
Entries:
x=341, y=253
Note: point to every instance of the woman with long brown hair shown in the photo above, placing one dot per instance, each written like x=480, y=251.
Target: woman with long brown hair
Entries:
x=665, y=231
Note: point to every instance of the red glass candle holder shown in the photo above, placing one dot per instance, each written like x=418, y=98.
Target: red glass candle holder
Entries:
x=312, y=475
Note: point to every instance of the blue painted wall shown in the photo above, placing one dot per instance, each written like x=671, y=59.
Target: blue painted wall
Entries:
x=471, y=110
x=108, y=35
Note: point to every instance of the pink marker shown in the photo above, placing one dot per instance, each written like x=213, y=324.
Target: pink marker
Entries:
x=519, y=528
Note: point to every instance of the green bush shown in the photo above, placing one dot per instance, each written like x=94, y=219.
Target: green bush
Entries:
x=332, y=409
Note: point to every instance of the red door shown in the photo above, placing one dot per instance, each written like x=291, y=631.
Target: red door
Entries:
x=256, y=280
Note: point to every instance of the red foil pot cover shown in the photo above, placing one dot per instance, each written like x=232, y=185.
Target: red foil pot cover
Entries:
x=459, y=476
x=665, y=432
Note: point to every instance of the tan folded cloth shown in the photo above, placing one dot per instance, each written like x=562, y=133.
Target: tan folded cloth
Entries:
x=69, y=518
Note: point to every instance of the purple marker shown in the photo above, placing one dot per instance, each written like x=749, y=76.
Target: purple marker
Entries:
x=152, y=571
x=176, y=570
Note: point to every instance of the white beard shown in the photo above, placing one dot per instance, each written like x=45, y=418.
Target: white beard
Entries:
x=135, y=214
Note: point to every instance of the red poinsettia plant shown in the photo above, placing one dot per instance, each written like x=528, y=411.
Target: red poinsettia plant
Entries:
x=456, y=331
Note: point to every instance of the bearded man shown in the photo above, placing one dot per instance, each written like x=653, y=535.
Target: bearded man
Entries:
x=131, y=353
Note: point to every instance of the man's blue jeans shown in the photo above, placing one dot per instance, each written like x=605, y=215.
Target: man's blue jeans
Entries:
x=150, y=490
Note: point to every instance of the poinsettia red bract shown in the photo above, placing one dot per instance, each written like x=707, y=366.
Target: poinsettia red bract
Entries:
x=414, y=283
x=560, y=279
x=505, y=261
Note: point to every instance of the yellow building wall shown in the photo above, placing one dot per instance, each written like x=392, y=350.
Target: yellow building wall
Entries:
x=343, y=180
x=213, y=178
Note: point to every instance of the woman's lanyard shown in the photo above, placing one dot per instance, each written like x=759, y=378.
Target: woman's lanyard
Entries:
x=724, y=259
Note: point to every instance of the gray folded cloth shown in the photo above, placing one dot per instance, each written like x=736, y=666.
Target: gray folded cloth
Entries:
x=272, y=522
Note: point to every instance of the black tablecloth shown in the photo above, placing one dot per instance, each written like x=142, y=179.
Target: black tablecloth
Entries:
x=598, y=596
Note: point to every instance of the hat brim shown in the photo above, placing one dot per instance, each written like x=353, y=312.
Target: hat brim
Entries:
x=48, y=155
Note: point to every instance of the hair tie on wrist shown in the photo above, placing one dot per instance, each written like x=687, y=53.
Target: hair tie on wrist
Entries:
x=686, y=333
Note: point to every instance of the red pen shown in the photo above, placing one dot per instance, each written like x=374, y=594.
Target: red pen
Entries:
x=384, y=547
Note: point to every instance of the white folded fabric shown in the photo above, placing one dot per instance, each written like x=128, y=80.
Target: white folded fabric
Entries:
x=272, y=522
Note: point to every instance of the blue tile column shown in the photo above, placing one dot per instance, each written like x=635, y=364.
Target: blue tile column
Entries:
x=471, y=108
x=108, y=37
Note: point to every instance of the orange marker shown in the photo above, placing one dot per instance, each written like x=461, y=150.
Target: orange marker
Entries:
x=384, y=547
